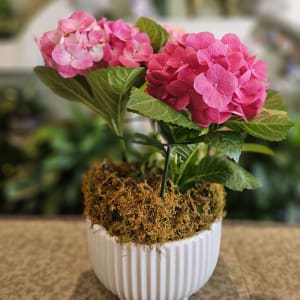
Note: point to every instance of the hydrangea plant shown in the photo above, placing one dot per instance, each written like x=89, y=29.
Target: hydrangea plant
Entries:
x=202, y=94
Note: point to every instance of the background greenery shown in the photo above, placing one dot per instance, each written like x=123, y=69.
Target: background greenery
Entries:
x=42, y=157
x=42, y=162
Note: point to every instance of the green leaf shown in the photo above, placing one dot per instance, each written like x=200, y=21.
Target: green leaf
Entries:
x=157, y=34
x=224, y=171
x=184, y=151
x=148, y=140
x=176, y=134
x=106, y=91
x=270, y=125
x=74, y=89
x=155, y=109
x=21, y=188
x=257, y=148
x=111, y=88
x=274, y=100
x=190, y=157
x=227, y=142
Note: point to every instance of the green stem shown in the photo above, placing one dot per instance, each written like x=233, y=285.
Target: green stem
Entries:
x=124, y=150
x=119, y=133
x=166, y=169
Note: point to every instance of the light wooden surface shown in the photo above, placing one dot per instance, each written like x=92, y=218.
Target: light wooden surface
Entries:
x=47, y=259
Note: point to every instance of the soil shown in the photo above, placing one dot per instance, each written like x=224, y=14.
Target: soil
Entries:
x=127, y=204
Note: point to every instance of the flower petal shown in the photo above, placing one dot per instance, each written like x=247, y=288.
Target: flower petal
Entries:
x=61, y=56
x=199, y=40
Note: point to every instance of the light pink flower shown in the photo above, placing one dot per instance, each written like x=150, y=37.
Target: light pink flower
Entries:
x=47, y=43
x=74, y=56
x=121, y=30
x=176, y=33
x=126, y=45
x=81, y=44
x=136, y=51
x=78, y=21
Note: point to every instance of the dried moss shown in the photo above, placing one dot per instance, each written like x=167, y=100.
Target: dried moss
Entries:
x=128, y=205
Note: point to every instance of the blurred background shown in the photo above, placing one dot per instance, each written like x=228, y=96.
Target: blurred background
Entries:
x=47, y=143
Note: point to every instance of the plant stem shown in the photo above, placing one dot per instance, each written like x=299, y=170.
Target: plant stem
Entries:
x=166, y=169
x=118, y=130
x=124, y=150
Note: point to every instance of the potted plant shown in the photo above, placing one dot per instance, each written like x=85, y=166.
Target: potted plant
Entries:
x=154, y=218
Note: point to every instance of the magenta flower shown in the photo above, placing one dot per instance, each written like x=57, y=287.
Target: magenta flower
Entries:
x=211, y=78
x=205, y=115
x=216, y=86
x=201, y=40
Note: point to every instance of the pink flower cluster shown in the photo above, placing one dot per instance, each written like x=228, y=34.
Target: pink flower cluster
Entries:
x=81, y=43
x=211, y=78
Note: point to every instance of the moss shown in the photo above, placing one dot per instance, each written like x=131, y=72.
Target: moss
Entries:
x=128, y=205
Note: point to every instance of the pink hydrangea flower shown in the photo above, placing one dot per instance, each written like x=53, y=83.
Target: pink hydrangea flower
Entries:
x=126, y=45
x=176, y=33
x=47, y=44
x=81, y=44
x=212, y=78
x=216, y=86
x=79, y=21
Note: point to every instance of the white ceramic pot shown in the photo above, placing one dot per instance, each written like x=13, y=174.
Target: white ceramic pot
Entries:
x=169, y=271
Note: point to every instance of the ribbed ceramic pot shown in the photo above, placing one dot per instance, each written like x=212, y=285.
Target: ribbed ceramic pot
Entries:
x=169, y=271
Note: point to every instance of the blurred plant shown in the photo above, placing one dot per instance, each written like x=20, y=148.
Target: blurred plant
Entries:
x=279, y=197
x=46, y=164
x=20, y=113
x=8, y=25
x=38, y=166
x=5, y=9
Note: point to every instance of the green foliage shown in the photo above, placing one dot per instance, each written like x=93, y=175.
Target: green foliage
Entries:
x=111, y=87
x=157, y=34
x=73, y=89
x=274, y=101
x=279, y=197
x=5, y=9
x=187, y=157
x=227, y=142
x=191, y=153
x=257, y=148
x=155, y=109
x=199, y=154
x=105, y=91
x=270, y=125
x=225, y=171
x=219, y=170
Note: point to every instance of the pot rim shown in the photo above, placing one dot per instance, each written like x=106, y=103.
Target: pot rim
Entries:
x=97, y=228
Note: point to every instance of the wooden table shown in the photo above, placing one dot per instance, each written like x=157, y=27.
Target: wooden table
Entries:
x=47, y=259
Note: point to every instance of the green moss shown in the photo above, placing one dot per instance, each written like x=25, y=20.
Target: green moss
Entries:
x=128, y=205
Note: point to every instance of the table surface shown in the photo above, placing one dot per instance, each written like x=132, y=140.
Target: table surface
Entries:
x=47, y=259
